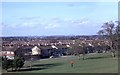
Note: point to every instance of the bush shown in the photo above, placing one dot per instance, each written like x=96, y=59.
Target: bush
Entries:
x=17, y=63
x=6, y=63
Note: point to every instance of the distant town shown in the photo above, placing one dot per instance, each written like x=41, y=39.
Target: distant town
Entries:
x=53, y=46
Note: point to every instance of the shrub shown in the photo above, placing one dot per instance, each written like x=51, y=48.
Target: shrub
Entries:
x=17, y=63
x=6, y=63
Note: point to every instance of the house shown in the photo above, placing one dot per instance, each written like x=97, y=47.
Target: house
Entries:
x=41, y=51
x=24, y=51
x=53, y=50
x=7, y=54
x=36, y=51
x=8, y=51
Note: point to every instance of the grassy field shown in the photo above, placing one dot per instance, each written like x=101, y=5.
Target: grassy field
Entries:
x=94, y=63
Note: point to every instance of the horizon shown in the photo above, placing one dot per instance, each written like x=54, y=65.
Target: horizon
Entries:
x=56, y=18
x=54, y=36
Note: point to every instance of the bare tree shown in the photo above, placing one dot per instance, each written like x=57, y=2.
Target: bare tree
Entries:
x=118, y=28
x=109, y=29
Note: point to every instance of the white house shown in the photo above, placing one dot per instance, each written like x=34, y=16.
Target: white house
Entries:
x=36, y=50
x=54, y=47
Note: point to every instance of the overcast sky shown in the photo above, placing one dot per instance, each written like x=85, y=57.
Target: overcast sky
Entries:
x=56, y=18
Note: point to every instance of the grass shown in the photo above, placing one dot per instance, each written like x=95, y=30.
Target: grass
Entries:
x=94, y=63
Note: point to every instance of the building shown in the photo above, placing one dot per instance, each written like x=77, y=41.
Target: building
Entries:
x=36, y=51
x=7, y=54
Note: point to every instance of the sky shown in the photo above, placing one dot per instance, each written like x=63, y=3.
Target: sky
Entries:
x=56, y=18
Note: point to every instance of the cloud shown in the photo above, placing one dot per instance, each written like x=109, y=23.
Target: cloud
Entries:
x=29, y=24
x=51, y=23
x=2, y=25
x=76, y=22
x=80, y=22
x=17, y=25
x=51, y=26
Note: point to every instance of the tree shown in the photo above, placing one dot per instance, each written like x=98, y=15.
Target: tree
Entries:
x=83, y=50
x=18, y=62
x=109, y=29
x=6, y=63
x=118, y=28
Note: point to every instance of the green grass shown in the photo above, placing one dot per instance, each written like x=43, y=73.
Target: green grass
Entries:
x=95, y=63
